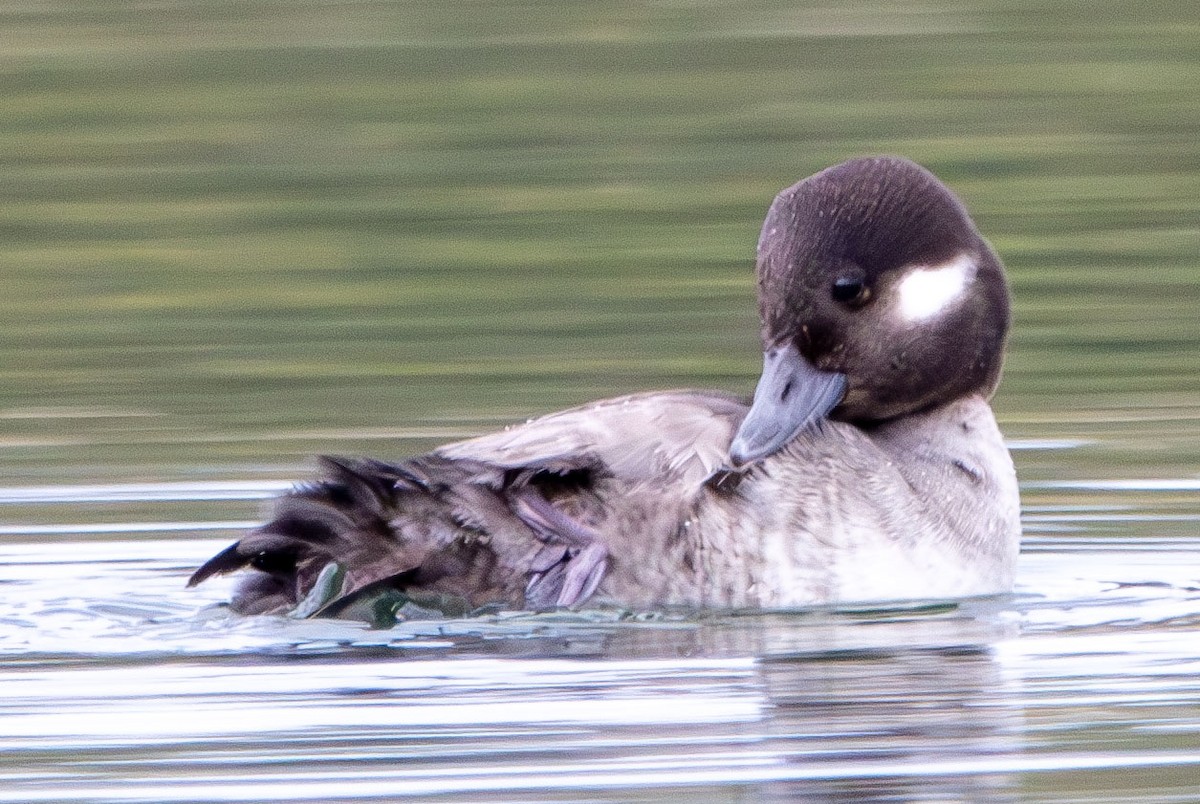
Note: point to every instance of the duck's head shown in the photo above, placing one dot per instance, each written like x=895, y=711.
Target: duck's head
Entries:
x=878, y=298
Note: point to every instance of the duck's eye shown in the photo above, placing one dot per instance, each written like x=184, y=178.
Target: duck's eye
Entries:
x=851, y=291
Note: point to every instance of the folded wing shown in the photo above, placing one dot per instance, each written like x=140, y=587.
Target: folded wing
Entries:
x=528, y=516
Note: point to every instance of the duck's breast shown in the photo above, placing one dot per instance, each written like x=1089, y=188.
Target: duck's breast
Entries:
x=923, y=508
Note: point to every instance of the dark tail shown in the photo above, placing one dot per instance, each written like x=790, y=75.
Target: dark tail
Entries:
x=429, y=533
x=340, y=519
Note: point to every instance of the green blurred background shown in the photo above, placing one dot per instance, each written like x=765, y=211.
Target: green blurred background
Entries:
x=233, y=234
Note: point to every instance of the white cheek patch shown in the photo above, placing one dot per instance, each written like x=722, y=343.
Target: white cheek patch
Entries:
x=926, y=291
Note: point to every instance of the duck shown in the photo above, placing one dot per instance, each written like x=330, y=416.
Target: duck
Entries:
x=866, y=468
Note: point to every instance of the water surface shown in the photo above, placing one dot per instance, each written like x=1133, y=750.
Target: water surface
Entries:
x=234, y=235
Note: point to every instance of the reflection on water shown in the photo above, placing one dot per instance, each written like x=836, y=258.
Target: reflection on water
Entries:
x=120, y=685
x=233, y=235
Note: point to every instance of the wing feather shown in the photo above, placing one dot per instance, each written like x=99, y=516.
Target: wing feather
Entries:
x=665, y=437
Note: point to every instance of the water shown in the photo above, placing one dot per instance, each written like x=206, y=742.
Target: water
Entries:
x=236, y=235
x=121, y=685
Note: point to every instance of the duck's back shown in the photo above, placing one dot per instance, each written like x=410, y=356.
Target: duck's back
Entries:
x=666, y=438
x=511, y=517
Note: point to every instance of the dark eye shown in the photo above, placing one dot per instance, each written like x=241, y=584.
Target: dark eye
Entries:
x=851, y=291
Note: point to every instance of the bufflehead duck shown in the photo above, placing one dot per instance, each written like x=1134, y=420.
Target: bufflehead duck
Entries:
x=867, y=468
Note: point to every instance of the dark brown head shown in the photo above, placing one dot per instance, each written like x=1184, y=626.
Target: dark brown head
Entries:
x=878, y=298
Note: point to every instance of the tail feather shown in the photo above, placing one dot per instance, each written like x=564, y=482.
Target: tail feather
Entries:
x=227, y=560
x=389, y=526
x=342, y=517
x=363, y=486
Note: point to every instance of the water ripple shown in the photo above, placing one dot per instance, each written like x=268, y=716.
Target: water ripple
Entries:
x=145, y=492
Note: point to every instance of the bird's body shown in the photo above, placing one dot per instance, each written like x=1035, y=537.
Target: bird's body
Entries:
x=868, y=468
